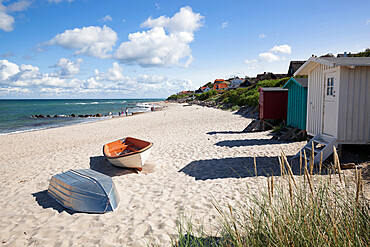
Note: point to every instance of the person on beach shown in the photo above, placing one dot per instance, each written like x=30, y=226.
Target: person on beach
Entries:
x=119, y=113
x=126, y=112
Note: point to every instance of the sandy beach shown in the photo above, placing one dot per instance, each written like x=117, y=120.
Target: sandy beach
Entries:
x=199, y=155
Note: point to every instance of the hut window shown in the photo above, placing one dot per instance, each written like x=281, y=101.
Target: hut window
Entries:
x=330, y=86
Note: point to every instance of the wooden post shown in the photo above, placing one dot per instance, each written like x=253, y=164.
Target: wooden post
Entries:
x=340, y=151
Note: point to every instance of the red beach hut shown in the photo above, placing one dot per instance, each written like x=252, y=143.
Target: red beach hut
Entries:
x=273, y=103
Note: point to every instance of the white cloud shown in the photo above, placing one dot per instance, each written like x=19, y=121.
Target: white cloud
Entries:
x=262, y=35
x=283, y=49
x=18, y=6
x=7, y=54
x=7, y=70
x=157, y=5
x=106, y=18
x=114, y=74
x=224, y=24
x=268, y=57
x=27, y=76
x=250, y=61
x=6, y=20
x=26, y=80
x=368, y=22
x=93, y=41
x=165, y=44
x=68, y=68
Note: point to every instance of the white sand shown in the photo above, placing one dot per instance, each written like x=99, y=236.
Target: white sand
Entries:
x=197, y=155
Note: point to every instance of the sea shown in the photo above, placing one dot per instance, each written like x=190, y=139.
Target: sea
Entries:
x=17, y=115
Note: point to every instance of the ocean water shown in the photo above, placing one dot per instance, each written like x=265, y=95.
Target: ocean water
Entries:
x=16, y=114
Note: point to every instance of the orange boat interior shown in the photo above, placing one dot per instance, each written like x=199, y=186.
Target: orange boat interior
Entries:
x=126, y=146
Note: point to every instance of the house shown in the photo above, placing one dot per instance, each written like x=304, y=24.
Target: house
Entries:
x=220, y=86
x=345, y=54
x=297, y=102
x=294, y=66
x=219, y=81
x=338, y=104
x=185, y=93
x=202, y=90
x=235, y=83
x=205, y=89
x=269, y=76
x=273, y=102
x=245, y=83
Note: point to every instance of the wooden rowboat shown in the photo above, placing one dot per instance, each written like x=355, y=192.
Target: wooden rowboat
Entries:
x=128, y=152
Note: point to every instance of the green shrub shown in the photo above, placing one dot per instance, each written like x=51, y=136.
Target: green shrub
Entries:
x=206, y=95
x=174, y=97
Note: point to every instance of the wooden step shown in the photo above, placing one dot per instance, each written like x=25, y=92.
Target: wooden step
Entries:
x=321, y=141
x=251, y=126
x=317, y=150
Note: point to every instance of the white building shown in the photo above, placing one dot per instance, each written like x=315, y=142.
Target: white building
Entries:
x=338, y=100
x=235, y=83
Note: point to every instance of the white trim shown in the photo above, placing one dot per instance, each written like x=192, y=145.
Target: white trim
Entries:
x=335, y=70
x=331, y=70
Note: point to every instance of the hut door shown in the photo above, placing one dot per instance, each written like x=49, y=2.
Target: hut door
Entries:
x=330, y=103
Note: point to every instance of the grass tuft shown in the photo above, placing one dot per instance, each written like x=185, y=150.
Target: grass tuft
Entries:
x=291, y=212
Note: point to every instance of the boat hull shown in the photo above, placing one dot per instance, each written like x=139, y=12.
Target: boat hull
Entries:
x=84, y=190
x=135, y=159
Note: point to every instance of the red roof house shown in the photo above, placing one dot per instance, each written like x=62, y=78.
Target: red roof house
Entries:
x=220, y=86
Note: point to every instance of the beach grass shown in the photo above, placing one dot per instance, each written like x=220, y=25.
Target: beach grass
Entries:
x=307, y=210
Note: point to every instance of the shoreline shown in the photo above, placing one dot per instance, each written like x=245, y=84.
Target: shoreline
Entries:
x=83, y=120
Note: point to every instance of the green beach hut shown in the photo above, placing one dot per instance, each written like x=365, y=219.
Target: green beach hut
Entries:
x=297, y=102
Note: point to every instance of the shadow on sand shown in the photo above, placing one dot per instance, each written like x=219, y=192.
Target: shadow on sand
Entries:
x=247, y=142
x=225, y=132
x=240, y=167
x=46, y=201
x=102, y=165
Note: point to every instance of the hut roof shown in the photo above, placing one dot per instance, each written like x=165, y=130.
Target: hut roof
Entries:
x=272, y=89
x=302, y=81
x=332, y=62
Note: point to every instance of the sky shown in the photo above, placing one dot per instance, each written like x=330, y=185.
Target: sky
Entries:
x=152, y=49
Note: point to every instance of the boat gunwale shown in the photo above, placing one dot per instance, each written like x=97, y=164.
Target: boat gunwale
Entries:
x=127, y=154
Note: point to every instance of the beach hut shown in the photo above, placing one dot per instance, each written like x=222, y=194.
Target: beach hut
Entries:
x=273, y=103
x=297, y=102
x=338, y=104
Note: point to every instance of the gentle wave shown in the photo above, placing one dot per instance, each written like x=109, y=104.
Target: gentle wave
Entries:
x=83, y=103
x=22, y=131
x=95, y=103
x=43, y=127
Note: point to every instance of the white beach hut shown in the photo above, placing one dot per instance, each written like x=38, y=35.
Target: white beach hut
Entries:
x=338, y=102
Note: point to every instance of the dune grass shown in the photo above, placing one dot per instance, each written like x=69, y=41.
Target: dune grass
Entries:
x=307, y=210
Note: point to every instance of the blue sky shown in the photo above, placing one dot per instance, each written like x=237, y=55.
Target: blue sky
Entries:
x=146, y=49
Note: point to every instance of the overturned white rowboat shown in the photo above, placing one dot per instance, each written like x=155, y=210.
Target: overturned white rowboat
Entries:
x=84, y=190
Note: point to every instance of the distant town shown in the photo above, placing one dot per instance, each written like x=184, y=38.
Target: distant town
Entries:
x=223, y=85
